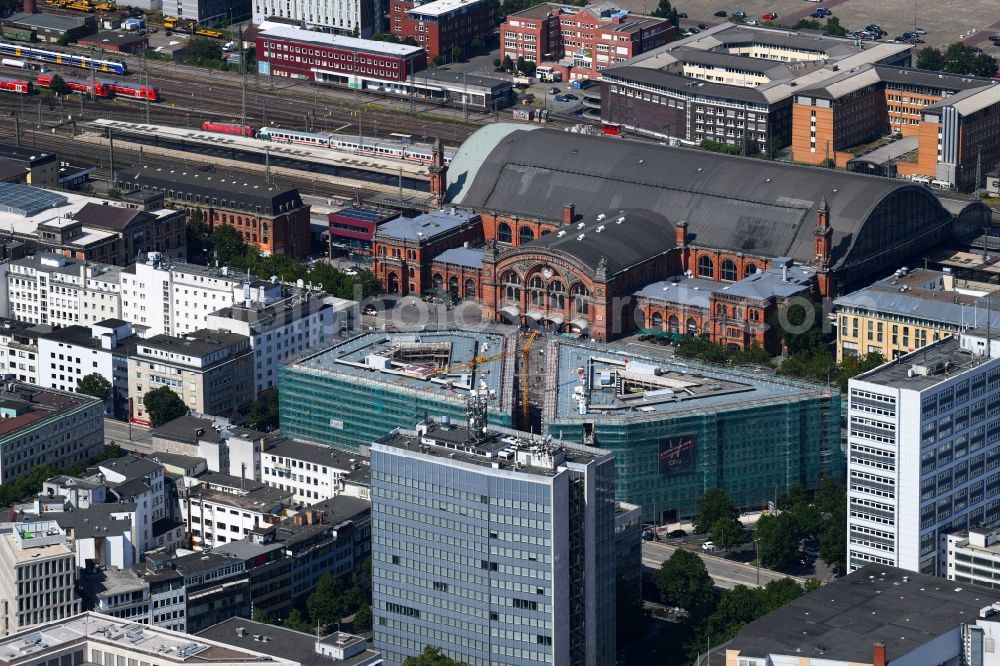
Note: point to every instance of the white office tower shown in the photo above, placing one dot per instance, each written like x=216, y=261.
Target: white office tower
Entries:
x=924, y=452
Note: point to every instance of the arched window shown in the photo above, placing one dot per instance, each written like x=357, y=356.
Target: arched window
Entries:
x=438, y=281
x=512, y=286
x=749, y=270
x=537, y=289
x=503, y=233
x=729, y=270
x=581, y=299
x=656, y=320
x=453, y=287
x=525, y=235
x=393, y=283
x=705, y=267
x=672, y=324
x=692, y=326
x=557, y=296
x=470, y=289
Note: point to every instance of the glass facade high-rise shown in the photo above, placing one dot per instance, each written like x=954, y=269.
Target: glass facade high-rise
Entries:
x=499, y=551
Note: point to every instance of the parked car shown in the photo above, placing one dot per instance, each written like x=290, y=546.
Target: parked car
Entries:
x=676, y=534
x=571, y=97
x=769, y=16
x=693, y=31
x=975, y=49
x=740, y=13
x=751, y=22
x=647, y=535
x=682, y=15
x=561, y=98
x=708, y=545
x=721, y=13
x=554, y=91
x=994, y=38
x=369, y=311
x=920, y=31
x=703, y=26
x=817, y=15
x=824, y=11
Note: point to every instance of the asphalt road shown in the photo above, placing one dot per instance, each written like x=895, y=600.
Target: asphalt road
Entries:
x=725, y=573
x=136, y=439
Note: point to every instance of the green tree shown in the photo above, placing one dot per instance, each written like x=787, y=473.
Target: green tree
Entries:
x=409, y=41
x=94, y=385
x=204, y=51
x=260, y=616
x=630, y=616
x=983, y=64
x=799, y=324
x=296, y=621
x=727, y=532
x=456, y=53
x=58, y=85
x=683, y=581
x=958, y=59
x=833, y=539
x=776, y=540
x=476, y=45
x=833, y=27
x=806, y=520
x=713, y=505
x=114, y=193
x=830, y=495
x=507, y=64
x=930, y=58
x=363, y=619
x=227, y=245
x=431, y=656
x=665, y=10
x=795, y=494
x=326, y=603
x=163, y=405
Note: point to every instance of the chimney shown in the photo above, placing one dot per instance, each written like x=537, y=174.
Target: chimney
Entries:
x=569, y=213
x=30, y=7
x=309, y=517
x=682, y=233
x=878, y=654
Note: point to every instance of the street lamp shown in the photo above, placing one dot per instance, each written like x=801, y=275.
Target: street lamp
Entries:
x=756, y=559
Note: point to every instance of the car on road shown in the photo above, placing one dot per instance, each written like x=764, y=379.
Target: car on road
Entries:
x=703, y=26
x=721, y=13
x=676, y=534
x=708, y=546
x=769, y=16
x=369, y=310
x=647, y=535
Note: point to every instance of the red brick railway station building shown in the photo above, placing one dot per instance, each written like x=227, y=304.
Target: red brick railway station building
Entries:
x=643, y=214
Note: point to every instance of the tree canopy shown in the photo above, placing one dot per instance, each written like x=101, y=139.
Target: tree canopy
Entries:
x=727, y=532
x=776, y=540
x=326, y=604
x=432, y=656
x=665, y=10
x=957, y=59
x=713, y=506
x=163, y=405
x=94, y=385
x=683, y=581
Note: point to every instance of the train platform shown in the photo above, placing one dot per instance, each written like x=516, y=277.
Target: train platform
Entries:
x=312, y=159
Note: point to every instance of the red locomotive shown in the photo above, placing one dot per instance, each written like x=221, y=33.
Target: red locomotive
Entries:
x=227, y=128
x=98, y=88
x=20, y=87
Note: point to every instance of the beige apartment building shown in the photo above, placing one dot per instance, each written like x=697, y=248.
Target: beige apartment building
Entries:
x=37, y=576
x=211, y=371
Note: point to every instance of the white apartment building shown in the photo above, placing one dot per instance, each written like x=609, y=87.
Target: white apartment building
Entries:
x=282, y=328
x=53, y=289
x=973, y=556
x=19, y=349
x=139, y=481
x=924, y=453
x=341, y=17
x=313, y=473
x=160, y=297
x=37, y=576
x=224, y=508
x=42, y=426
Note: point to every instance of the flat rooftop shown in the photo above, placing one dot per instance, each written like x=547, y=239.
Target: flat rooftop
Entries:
x=20, y=555
x=840, y=621
x=499, y=448
x=433, y=363
x=158, y=645
x=906, y=372
x=626, y=384
x=439, y=8
x=283, y=643
x=29, y=405
x=426, y=227
x=198, y=344
x=272, y=30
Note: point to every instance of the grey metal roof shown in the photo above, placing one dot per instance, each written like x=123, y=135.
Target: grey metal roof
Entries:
x=470, y=257
x=772, y=68
x=838, y=622
x=44, y=20
x=683, y=84
x=772, y=283
x=692, y=292
x=917, y=307
x=744, y=205
x=424, y=227
x=624, y=238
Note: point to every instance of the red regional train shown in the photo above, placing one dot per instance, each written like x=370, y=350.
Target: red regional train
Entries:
x=20, y=87
x=99, y=88
x=133, y=92
x=227, y=128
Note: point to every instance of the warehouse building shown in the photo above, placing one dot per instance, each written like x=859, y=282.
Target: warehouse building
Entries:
x=387, y=380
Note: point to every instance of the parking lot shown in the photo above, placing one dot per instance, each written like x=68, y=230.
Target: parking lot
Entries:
x=945, y=22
